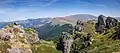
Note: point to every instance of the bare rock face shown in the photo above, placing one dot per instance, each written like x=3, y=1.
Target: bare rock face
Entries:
x=67, y=40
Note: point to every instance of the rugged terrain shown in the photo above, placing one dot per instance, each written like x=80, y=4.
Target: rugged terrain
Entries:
x=92, y=36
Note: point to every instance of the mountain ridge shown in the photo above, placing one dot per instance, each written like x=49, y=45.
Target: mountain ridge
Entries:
x=70, y=19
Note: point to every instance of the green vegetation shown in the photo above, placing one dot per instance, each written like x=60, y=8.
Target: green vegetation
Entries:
x=29, y=30
x=49, y=31
x=11, y=25
x=102, y=43
x=89, y=28
x=45, y=47
x=3, y=47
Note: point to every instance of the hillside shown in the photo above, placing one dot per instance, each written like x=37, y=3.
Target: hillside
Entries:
x=71, y=19
x=89, y=40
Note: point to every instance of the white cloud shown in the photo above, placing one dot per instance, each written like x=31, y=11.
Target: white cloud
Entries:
x=86, y=4
x=50, y=3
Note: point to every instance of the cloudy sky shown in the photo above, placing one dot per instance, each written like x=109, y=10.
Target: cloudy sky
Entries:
x=23, y=9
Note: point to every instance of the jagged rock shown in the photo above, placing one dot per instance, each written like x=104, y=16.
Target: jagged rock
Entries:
x=79, y=26
x=101, y=20
x=105, y=22
x=100, y=26
x=65, y=42
x=110, y=22
x=70, y=44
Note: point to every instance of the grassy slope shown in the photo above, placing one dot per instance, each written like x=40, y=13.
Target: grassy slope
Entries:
x=45, y=47
x=102, y=42
x=89, y=28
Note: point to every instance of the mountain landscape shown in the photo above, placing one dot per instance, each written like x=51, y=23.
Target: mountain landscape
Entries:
x=51, y=27
x=47, y=26
x=61, y=35
x=59, y=26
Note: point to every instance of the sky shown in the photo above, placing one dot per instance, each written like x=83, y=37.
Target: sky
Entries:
x=11, y=10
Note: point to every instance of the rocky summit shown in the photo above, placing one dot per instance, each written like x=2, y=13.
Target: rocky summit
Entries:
x=16, y=39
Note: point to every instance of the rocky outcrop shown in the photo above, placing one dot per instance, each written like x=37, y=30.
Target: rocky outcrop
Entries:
x=67, y=43
x=79, y=26
x=18, y=38
x=105, y=23
x=100, y=26
x=67, y=40
x=111, y=22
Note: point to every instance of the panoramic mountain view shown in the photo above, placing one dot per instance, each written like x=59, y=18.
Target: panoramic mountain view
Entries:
x=59, y=26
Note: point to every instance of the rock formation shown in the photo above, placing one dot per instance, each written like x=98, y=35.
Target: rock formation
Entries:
x=105, y=22
x=100, y=26
x=18, y=38
x=67, y=40
x=111, y=22
x=67, y=43
x=79, y=26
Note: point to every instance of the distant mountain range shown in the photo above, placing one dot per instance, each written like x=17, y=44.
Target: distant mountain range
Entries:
x=29, y=22
x=57, y=20
x=73, y=18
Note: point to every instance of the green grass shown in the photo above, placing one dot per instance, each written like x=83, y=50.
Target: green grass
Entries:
x=89, y=28
x=103, y=43
x=45, y=48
